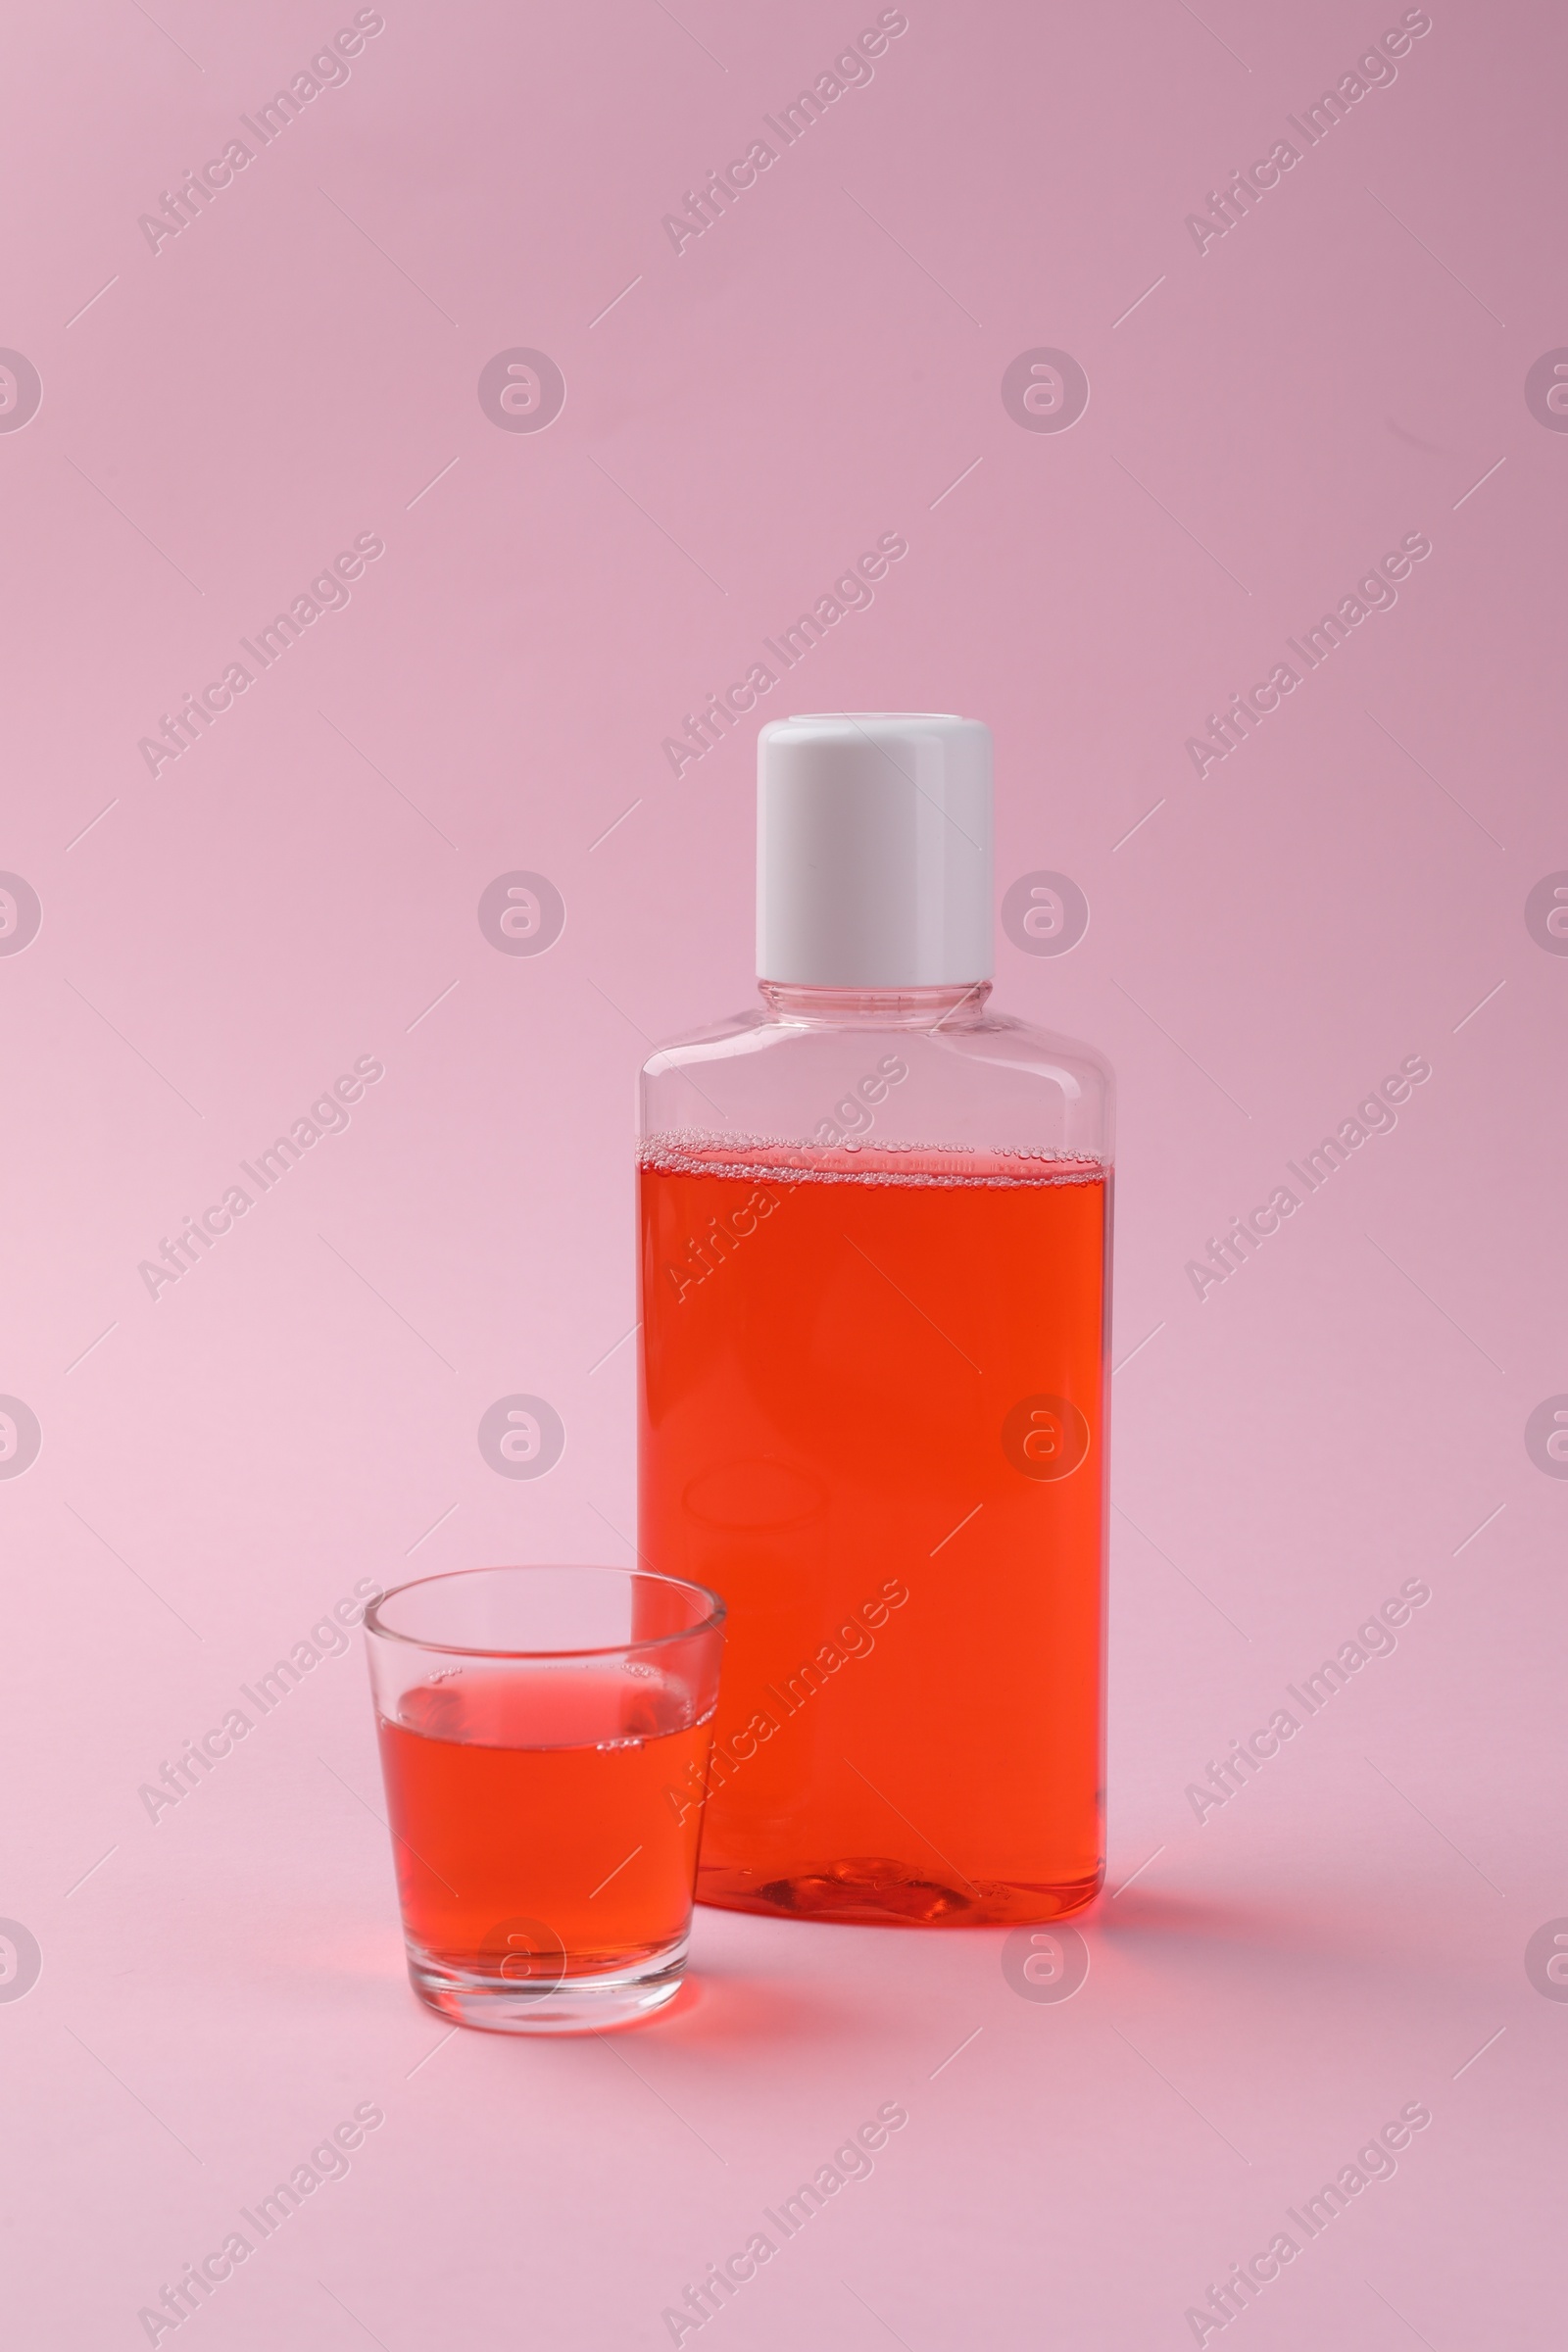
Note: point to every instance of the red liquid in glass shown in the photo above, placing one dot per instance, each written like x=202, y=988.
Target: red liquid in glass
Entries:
x=872, y=1420
x=534, y=1827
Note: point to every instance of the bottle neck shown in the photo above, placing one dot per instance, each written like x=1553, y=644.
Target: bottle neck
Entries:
x=877, y=1008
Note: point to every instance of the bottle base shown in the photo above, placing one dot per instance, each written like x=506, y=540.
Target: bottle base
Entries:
x=873, y=1891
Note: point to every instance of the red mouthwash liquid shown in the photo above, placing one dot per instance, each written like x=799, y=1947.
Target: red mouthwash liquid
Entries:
x=872, y=1420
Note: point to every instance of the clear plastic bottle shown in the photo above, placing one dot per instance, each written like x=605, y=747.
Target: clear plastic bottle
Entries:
x=874, y=1277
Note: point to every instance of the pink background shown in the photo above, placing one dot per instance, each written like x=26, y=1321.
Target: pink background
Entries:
x=220, y=1464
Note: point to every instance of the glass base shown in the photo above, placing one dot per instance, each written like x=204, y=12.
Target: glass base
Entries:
x=873, y=1891
x=585, y=2004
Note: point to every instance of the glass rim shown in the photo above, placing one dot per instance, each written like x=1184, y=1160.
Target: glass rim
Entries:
x=709, y=1623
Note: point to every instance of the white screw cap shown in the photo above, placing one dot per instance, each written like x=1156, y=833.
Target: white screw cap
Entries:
x=873, y=850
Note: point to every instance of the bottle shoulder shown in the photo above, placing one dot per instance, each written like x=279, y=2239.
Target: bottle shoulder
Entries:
x=708, y=1043
x=983, y=1079
x=990, y=1037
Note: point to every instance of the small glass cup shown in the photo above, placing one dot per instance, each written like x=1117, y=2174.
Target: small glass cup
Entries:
x=545, y=1737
